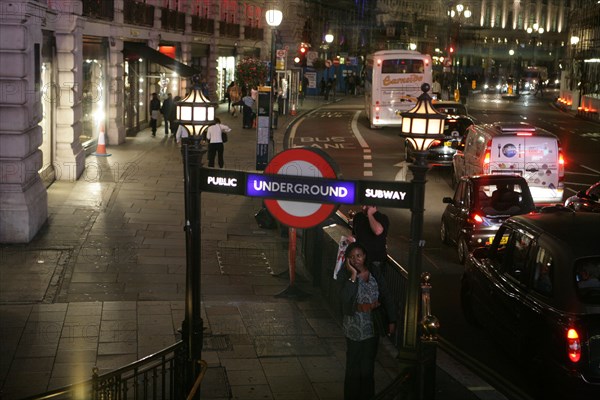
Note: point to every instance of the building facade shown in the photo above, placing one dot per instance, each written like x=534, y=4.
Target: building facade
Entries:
x=73, y=69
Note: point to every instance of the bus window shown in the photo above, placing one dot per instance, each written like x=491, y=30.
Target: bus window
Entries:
x=400, y=66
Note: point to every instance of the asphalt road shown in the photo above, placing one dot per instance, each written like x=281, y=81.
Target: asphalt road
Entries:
x=341, y=129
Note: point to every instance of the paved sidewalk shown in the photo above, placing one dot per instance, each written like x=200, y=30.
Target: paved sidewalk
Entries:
x=103, y=284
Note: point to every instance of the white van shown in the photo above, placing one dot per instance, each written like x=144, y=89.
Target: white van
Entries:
x=514, y=148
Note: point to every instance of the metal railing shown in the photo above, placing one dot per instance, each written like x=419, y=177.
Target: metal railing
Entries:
x=172, y=20
x=157, y=376
x=137, y=13
x=99, y=9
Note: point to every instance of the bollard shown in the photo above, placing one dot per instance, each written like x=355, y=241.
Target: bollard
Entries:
x=430, y=326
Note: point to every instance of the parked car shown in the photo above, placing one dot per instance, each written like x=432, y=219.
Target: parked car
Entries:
x=514, y=148
x=456, y=123
x=536, y=290
x=478, y=208
x=586, y=200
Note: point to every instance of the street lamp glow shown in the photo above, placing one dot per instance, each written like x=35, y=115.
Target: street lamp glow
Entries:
x=423, y=124
x=274, y=17
x=574, y=40
x=329, y=38
x=195, y=112
x=412, y=46
x=511, y=52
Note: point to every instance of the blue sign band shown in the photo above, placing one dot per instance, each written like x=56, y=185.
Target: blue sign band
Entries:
x=303, y=189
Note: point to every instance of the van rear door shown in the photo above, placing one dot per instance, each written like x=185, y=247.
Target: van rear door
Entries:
x=507, y=155
x=541, y=168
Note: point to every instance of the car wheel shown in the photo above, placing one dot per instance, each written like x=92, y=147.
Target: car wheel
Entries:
x=466, y=304
x=444, y=233
x=463, y=249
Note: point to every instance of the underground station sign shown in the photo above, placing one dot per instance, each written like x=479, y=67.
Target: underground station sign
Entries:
x=300, y=187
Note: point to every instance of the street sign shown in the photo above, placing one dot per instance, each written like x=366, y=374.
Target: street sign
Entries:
x=301, y=162
x=301, y=190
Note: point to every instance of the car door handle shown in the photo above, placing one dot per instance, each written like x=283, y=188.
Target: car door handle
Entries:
x=532, y=169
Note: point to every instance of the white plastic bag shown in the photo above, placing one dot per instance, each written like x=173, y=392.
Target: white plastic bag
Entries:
x=344, y=242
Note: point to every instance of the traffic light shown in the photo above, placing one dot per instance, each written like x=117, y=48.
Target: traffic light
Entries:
x=300, y=59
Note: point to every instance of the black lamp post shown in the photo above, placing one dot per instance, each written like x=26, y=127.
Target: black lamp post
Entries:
x=274, y=18
x=420, y=126
x=195, y=113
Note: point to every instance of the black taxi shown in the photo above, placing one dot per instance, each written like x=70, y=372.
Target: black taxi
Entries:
x=537, y=291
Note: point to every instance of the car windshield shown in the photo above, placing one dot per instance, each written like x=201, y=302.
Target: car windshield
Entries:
x=587, y=278
x=503, y=198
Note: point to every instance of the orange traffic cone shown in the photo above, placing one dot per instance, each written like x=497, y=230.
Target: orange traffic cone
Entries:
x=293, y=110
x=101, y=148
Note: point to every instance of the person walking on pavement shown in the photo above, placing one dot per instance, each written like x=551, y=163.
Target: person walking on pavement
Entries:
x=214, y=135
x=368, y=312
x=436, y=89
x=154, y=112
x=247, y=111
x=228, y=96
x=370, y=228
x=167, y=111
x=173, y=116
x=235, y=95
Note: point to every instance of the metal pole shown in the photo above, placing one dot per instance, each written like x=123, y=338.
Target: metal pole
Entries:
x=192, y=326
x=411, y=343
x=272, y=95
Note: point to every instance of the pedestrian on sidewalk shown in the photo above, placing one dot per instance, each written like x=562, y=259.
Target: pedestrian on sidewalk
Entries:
x=215, y=136
x=436, y=89
x=247, y=111
x=167, y=111
x=235, y=95
x=368, y=312
x=154, y=112
x=370, y=228
x=173, y=116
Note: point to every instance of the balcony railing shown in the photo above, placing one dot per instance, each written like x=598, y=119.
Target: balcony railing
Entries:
x=203, y=25
x=137, y=13
x=172, y=20
x=229, y=29
x=253, y=33
x=99, y=9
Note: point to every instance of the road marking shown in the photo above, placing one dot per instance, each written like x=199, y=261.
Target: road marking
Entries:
x=591, y=169
x=367, y=156
x=293, y=133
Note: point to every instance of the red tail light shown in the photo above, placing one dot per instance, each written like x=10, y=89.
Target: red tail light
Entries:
x=486, y=159
x=378, y=62
x=475, y=219
x=573, y=345
x=561, y=165
x=435, y=143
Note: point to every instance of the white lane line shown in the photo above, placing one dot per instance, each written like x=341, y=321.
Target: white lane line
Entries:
x=580, y=173
x=356, y=133
x=590, y=169
x=293, y=133
x=367, y=166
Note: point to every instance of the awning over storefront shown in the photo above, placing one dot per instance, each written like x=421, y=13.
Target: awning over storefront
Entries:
x=140, y=50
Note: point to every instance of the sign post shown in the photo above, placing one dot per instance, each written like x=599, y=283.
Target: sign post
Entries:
x=263, y=127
